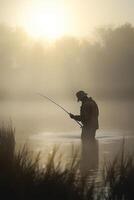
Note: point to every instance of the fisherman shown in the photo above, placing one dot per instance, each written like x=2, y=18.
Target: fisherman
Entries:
x=89, y=113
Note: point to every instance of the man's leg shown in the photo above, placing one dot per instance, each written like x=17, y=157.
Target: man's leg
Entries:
x=92, y=133
x=88, y=133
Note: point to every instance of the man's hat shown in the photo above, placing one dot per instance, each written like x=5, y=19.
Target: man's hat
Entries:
x=81, y=94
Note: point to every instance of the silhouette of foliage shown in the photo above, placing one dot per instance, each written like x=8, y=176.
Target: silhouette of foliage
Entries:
x=22, y=178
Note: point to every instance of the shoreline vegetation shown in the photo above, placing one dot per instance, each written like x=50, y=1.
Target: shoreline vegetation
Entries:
x=22, y=178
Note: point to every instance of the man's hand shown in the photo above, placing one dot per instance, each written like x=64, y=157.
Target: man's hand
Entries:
x=71, y=115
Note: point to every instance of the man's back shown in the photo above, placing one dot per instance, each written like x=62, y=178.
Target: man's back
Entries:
x=89, y=113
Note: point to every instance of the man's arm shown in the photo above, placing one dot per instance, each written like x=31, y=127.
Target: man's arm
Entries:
x=76, y=117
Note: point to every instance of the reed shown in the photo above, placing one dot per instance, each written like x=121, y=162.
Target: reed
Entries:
x=22, y=178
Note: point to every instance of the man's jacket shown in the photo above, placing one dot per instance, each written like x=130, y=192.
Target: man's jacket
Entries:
x=89, y=113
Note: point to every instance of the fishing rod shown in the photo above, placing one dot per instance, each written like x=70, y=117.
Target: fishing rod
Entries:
x=59, y=106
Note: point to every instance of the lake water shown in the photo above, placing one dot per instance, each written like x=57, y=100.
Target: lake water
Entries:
x=92, y=155
x=43, y=126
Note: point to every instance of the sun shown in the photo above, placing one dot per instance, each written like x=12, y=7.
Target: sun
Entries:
x=48, y=23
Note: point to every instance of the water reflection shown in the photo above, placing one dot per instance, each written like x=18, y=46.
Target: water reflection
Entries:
x=89, y=157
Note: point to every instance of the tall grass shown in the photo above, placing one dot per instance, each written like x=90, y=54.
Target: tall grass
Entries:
x=22, y=178
x=118, y=177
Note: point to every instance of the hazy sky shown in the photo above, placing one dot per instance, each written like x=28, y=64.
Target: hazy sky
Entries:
x=79, y=17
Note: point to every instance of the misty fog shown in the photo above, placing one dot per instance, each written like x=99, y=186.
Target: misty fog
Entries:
x=104, y=68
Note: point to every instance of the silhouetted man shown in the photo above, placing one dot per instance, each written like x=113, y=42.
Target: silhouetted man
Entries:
x=89, y=113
